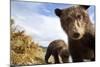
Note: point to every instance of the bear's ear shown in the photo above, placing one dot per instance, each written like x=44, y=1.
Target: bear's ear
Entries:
x=85, y=6
x=58, y=12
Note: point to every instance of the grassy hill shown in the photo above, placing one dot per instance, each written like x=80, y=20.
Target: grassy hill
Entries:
x=24, y=51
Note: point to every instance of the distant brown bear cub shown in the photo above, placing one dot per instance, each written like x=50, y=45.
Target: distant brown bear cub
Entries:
x=76, y=23
x=57, y=48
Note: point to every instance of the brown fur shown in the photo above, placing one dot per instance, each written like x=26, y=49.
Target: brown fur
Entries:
x=76, y=23
x=57, y=48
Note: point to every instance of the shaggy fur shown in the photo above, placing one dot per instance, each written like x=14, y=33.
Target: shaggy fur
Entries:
x=57, y=48
x=76, y=23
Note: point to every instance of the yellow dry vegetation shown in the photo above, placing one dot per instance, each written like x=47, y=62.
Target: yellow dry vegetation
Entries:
x=24, y=51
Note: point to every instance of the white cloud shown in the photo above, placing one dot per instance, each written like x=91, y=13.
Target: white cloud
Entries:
x=91, y=12
x=92, y=18
x=42, y=28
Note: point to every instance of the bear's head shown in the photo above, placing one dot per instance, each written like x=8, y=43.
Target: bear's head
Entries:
x=74, y=20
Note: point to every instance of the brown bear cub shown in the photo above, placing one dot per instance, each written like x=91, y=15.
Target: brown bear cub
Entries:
x=76, y=23
x=57, y=48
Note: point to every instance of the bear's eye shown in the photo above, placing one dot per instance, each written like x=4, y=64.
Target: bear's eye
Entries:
x=79, y=16
x=68, y=19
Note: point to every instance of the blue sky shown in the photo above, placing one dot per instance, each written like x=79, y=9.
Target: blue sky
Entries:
x=39, y=20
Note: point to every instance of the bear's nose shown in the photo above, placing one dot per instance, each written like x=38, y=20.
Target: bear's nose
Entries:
x=76, y=35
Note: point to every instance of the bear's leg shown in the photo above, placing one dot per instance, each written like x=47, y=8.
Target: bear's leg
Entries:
x=93, y=59
x=65, y=60
x=56, y=58
x=94, y=55
x=48, y=54
x=76, y=58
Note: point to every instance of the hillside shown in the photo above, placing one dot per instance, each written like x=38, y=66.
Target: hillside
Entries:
x=23, y=49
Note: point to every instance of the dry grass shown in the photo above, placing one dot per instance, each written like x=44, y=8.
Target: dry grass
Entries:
x=24, y=51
